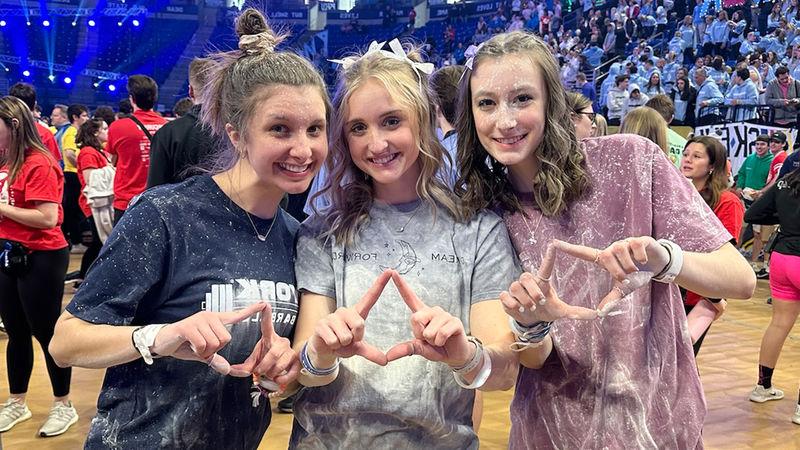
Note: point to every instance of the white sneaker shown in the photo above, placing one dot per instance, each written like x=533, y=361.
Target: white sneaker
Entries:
x=761, y=394
x=61, y=417
x=13, y=412
x=796, y=417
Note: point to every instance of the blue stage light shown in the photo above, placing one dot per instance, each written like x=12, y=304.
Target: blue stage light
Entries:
x=67, y=80
x=74, y=24
x=28, y=23
x=51, y=77
x=91, y=23
x=112, y=88
x=45, y=23
x=2, y=23
x=26, y=73
x=135, y=22
x=119, y=24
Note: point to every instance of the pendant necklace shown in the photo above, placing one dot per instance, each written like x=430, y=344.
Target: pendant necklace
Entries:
x=262, y=237
x=403, y=228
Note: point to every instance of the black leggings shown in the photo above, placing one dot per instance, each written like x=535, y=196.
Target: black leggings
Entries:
x=29, y=306
x=73, y=216
x=93, y=245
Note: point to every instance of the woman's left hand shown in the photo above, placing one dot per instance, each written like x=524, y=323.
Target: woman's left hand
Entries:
x=622, y=258
x=438, y=336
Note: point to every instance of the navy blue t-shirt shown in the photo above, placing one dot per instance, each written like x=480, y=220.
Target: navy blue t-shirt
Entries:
x=181, y=249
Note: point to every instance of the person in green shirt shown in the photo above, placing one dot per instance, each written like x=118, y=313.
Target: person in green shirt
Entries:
x=752, y=176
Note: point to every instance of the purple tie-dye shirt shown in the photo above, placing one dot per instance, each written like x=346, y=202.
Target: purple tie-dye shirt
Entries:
x=628, y=380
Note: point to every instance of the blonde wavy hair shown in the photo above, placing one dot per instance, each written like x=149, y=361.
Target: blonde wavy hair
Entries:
x=562, y=177
x=646, y=122
x=348, y=189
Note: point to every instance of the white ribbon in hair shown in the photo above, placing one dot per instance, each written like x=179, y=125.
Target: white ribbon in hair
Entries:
x=397, y=53
x=470, y=54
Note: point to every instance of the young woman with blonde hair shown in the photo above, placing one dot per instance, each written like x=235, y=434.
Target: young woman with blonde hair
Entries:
x=616, y=378
x=391, y=217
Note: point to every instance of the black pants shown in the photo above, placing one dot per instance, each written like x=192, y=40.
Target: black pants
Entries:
x=29, y=306
x=91, y=239
x=73, y=216
x=118, y=213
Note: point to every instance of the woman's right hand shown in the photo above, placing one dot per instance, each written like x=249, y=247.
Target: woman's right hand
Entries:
x=341, y=333
x=200, y=336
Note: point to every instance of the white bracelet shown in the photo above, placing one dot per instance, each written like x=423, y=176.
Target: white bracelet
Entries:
x=674, y=265
x=144, y=337
x=474, y=361
x=480, y=378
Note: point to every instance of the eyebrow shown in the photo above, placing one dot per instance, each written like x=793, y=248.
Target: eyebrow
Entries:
x=388, y=113
x=527, y=87
x=285, y=118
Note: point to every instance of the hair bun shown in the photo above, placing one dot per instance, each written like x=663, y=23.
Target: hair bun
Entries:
x=255, y=35
x=250, y=22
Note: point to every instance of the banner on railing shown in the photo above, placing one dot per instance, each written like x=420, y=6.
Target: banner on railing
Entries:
x=740, y=137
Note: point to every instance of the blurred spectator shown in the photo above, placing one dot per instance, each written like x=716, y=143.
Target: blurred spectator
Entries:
x=182, y=107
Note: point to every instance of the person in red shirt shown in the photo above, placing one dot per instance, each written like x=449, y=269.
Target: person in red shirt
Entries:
x=129, y=145
x=27, y=93
x=91, y=138
x=32, y=263
x=705, y=164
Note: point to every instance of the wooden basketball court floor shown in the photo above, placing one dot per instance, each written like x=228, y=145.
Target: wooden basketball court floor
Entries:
x=728, y=367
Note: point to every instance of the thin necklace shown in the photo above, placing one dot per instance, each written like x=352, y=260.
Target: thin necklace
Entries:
x=261, y=237
x=403, y=228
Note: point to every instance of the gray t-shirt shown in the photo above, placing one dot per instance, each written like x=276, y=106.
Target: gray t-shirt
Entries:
x=411, y=403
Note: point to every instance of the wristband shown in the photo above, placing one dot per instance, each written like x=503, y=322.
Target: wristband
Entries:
x=480, y=377
x=309, y=368
x=143, y=338
x=675, y=264
x=476, y=357
x=528, y=336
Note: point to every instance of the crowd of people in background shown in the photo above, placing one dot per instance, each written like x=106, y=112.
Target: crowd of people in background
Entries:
x=106, y=180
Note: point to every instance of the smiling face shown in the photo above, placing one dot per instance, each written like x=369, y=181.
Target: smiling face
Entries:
x=508, y=102
x=761, y=148
x=775, y=147
x=285, y=141
x=381, y=137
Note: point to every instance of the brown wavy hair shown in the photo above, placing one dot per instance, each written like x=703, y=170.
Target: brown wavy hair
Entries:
x=717, y=180
x=562, y=177
x=348, y=189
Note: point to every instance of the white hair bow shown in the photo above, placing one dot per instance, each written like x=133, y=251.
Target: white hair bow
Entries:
x=397, y=53
x=470, y=54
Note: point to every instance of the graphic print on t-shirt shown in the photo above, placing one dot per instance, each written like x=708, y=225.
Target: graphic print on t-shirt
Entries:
x=242, y=292
x=407, y=259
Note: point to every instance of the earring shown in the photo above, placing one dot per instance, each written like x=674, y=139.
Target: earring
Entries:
x=711, y=171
